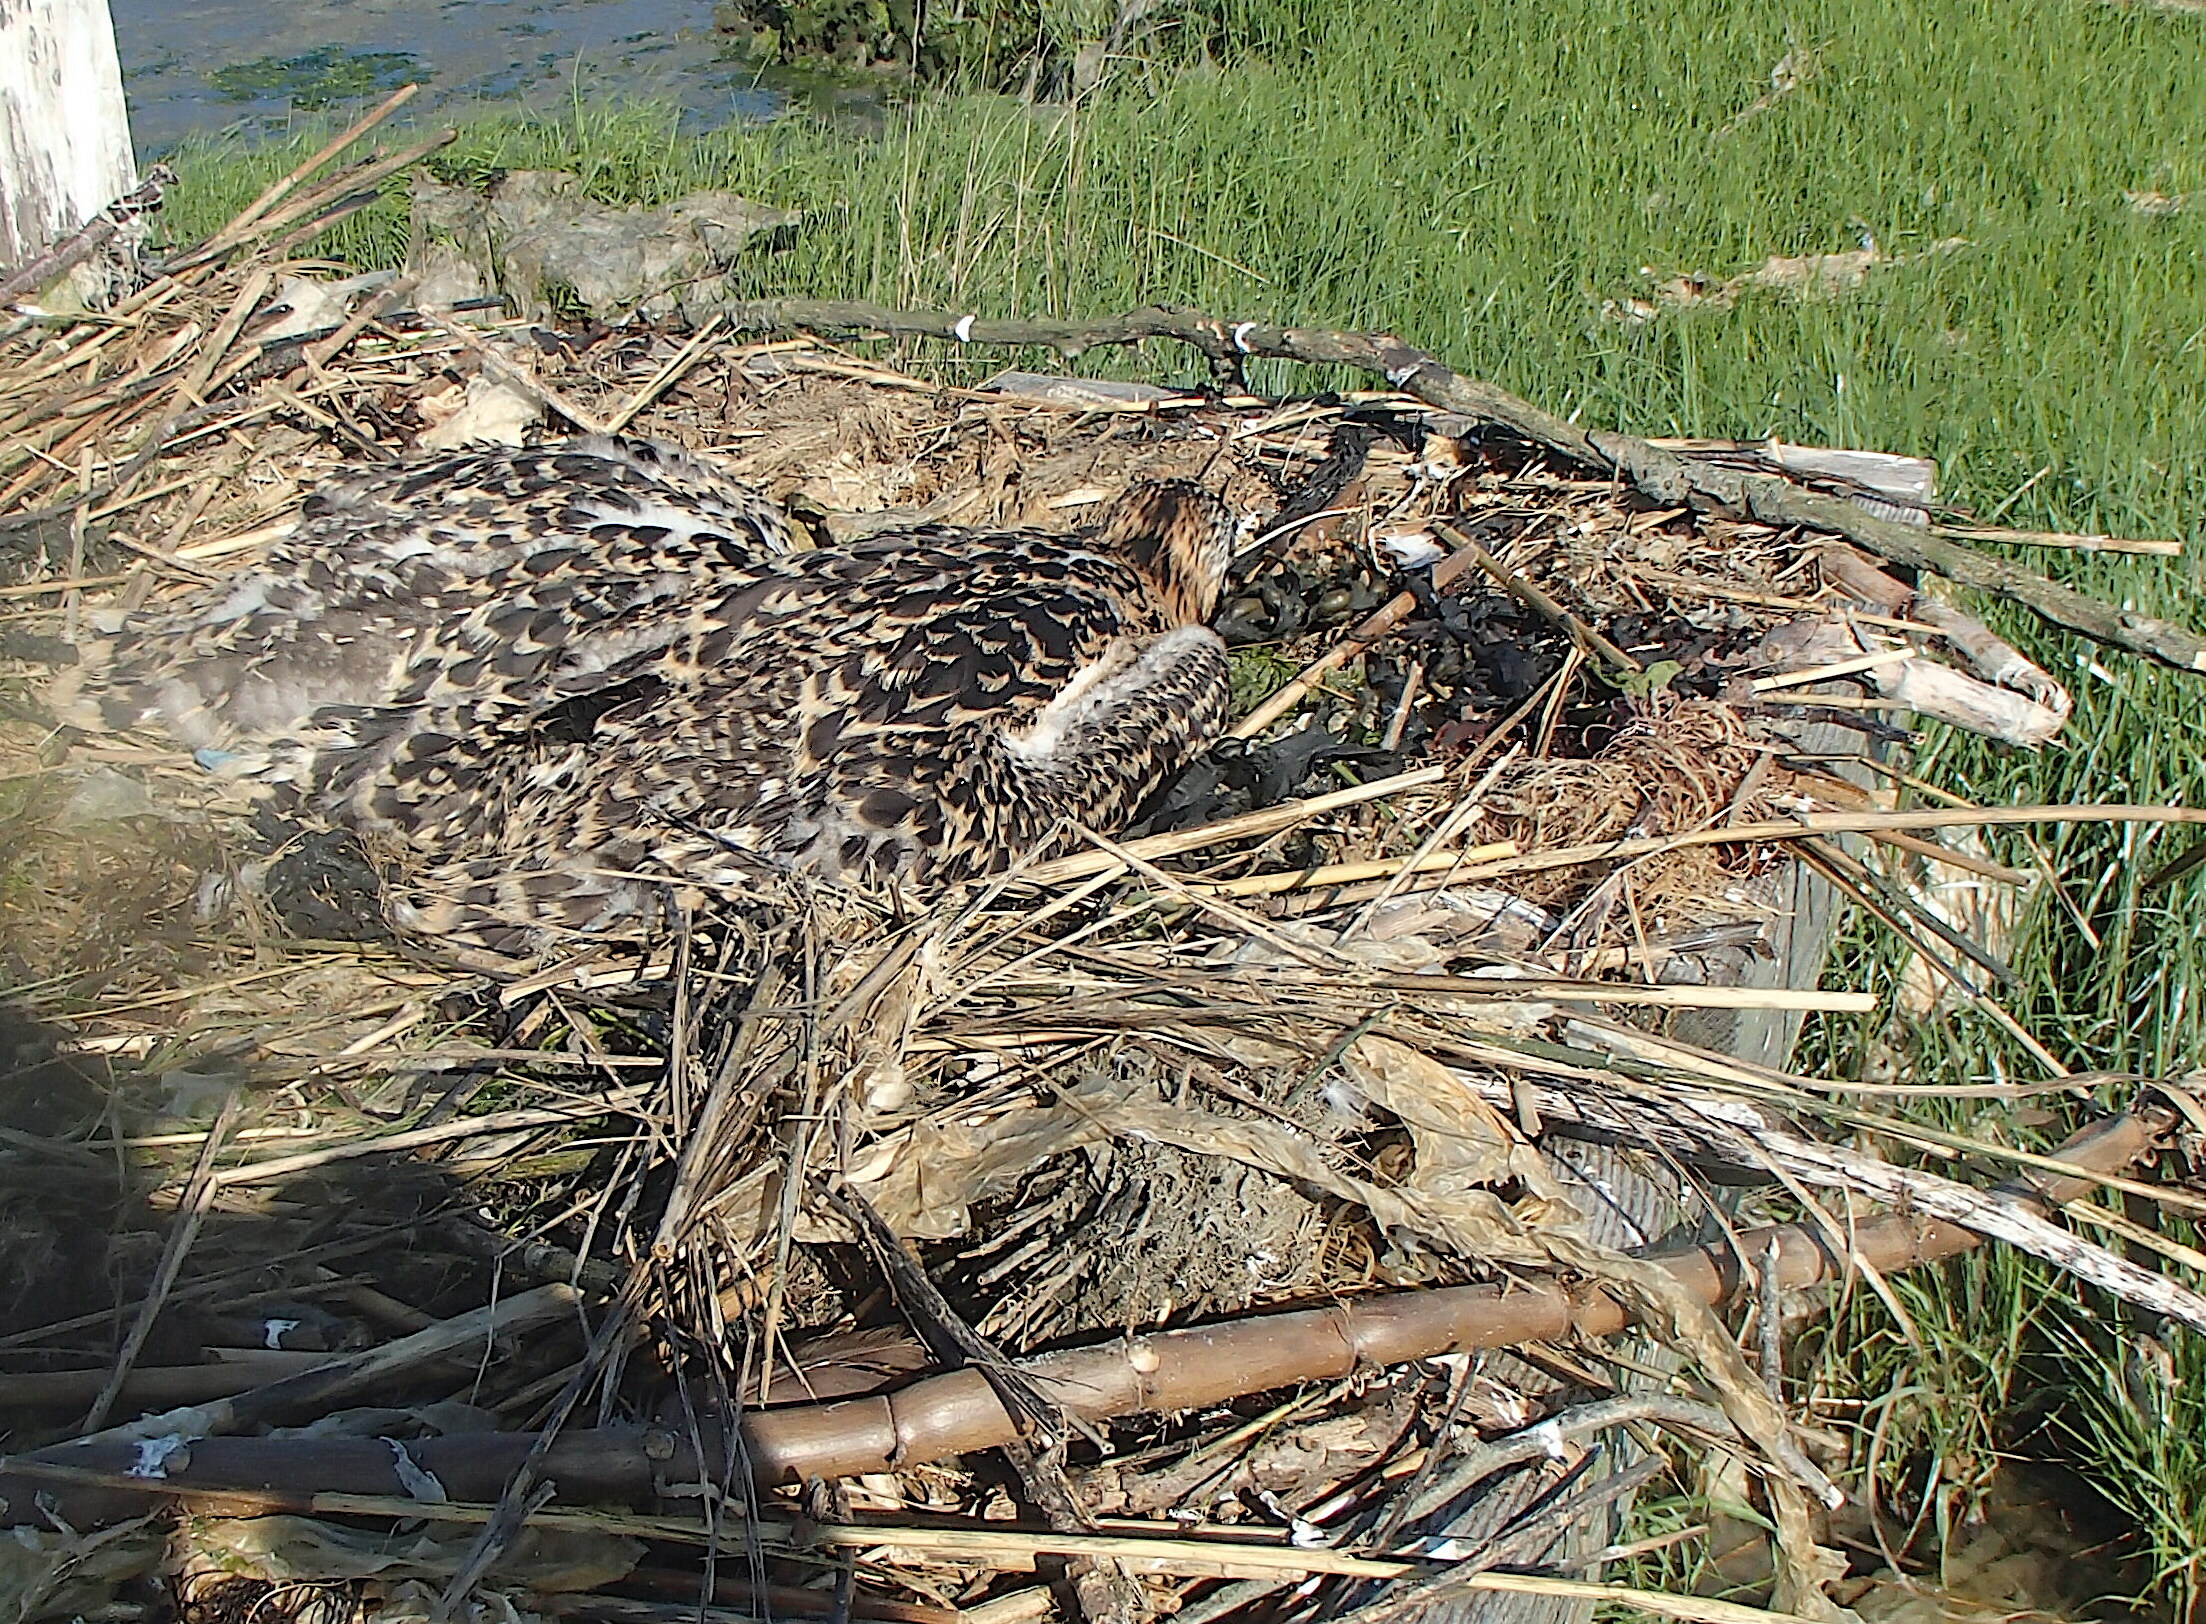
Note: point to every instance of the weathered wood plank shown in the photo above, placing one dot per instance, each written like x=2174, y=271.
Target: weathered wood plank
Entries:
x=64, y=129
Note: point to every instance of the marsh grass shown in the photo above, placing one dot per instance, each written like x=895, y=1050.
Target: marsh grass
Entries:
x=2136, y=1423
x=1483, y=179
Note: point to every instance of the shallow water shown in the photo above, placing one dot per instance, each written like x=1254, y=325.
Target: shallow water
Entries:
x=204, y=66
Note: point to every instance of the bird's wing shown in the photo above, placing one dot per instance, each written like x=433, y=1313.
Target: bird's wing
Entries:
x=416, y=581
x=496, y=499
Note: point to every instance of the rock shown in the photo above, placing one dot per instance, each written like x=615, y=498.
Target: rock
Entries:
x=539, y=241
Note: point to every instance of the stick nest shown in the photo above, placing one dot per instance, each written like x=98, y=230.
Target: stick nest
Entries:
x=1327, y=1025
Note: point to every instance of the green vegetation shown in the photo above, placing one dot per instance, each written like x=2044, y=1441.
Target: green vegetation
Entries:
x=320, y=78
x=1041, y=46
x=1486, y=179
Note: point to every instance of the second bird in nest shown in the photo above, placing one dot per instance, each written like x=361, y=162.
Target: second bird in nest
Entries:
x=613, y=676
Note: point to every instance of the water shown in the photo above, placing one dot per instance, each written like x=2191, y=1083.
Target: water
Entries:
x=203, y=66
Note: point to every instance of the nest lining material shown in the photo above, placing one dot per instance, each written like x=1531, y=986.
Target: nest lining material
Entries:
x=1177, y=1078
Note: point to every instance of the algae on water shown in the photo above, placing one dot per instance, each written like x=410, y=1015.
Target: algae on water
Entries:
x=316, y=79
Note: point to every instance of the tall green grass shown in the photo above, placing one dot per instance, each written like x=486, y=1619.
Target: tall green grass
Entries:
x=1482, y=178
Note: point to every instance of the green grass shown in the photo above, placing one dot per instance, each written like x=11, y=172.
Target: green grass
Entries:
x=1481, y=178
x=1484, y=177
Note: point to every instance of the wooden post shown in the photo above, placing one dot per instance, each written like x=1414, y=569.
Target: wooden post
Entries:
x=64, y=131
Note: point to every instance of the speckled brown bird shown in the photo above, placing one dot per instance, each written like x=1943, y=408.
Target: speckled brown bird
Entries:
x=430, y=577
x=924, y=708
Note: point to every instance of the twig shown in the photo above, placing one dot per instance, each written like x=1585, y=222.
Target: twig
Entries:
x=359, y=182
x=191, y=1212
x=664, y=378
x=1967, y=862
x=371, y=309
x=240, y=1370
x=1837, y=668
x=541, y=1116
x=1209, y=902
x=240, y=226
x=249, y=296
x=1374, y=626
x=1589, y=640
x=507, y=373
x=1104, y=1588
x=1245, y=826
x=313, y=1388
x=1836, y=823
x=2062, y=539
x=1330, y=874
x=1624, y=994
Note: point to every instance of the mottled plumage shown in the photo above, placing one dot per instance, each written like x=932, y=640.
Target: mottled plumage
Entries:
x=924, y=707
x=432, y=576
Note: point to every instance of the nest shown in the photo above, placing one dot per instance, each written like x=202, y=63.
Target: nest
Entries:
x=1156, y=1213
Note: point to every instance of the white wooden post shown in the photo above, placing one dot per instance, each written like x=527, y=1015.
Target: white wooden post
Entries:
x=64, y=131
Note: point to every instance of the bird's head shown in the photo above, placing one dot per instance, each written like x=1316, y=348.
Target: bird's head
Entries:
x=1180, y=536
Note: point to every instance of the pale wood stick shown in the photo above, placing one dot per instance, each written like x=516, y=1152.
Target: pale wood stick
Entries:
x=350, y=183
x=1838, y=668
x=665, y=377
x=243, y=541
x=311, y=1389
x=1238, y=918
x=1851, y=702
x=1451, y=828
x=507, y=373
x=2062, y=539
x=1246, y=826
x=280, y=189
x=65, y=583
x=191, y=1214
x=1375, y=626
x=1636, y=994
x=1951, y=858
x=2136, y=1234
x=225, y=334
x=1518, y=587
x=1838, y=823
x=614, y=1101
x=1313, y=879
x=320, y=353
x=160, y=1384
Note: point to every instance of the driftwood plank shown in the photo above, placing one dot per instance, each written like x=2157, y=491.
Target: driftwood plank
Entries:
x=64, y=131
